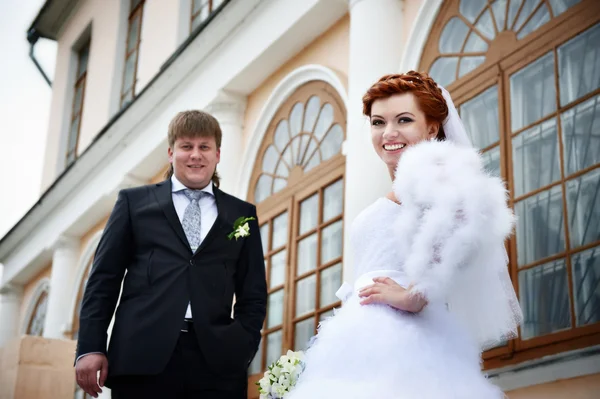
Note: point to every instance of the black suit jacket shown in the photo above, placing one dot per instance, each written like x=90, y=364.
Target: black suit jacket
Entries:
x=144, y=242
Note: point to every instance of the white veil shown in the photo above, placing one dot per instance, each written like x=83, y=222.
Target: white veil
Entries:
x=485, y=299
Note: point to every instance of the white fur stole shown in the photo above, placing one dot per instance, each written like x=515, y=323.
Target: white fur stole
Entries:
x=456, y=218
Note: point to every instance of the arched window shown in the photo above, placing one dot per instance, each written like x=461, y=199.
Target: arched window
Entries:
x=35, y=326
x=525, y=75
x=297, y=185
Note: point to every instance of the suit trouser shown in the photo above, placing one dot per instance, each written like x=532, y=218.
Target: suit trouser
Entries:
x=186, y=376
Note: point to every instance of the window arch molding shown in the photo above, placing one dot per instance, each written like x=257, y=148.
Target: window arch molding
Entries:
x=83, y=268
x=42, y=288
x=279, y=95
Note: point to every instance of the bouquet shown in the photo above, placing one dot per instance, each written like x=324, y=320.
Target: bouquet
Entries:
x=281, y=376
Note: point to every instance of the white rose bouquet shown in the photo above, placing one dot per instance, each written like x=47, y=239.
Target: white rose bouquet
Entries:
x=281, y=376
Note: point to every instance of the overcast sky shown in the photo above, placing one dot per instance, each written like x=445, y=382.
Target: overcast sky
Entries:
x=24, y=110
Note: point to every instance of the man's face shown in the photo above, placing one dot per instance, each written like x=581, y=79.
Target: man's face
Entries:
x=194, y=160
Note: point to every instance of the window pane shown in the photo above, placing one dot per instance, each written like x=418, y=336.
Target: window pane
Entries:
x=309, y=214
x=36, y=326
x=282, y=135
x=485, y=25
x=332, y=143
x=331, y=280
x=467, y=64
x=127, y=98
x=128, y=79
x=540, y=18
x=499, y=10
x=307, y=254
x=324, y=122
x=544, y=297
x=512, y=11
x=333, y=200
x=275, y=309
x=443, y=70
x=560, y=6
x=73, y=136
x=526, y=11
x=280, y=230
x=579, y=65
x=270, y=160
x=536, y=158
x=78, y=98
x=274, y=347
x=331, y=242
x=83, y=60
x=581, y=135
x=305, y=295
x=216, y=4
x=134, y=3
x=325, y=315
x=198, y=4
x=475, y=44
x=453, y=36
x=278, y=263
x=491, y=161
x=480, y=116
x=133, y=36
x=263, y=188
x=540, y=226
x=532, y=92
x=296, y=119
x=312, y=112
x=471, y=9
x=255, y=366
x=586, y=280
x=304, y=331
x=279, y=184
x=583, y=202
x=315, y=160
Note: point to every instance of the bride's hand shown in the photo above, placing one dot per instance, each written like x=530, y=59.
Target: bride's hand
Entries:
x=387, y=291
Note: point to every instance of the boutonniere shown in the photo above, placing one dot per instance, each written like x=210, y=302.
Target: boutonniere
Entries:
x=240, y=228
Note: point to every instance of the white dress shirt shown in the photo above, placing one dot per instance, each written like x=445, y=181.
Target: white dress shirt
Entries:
x=208, y=212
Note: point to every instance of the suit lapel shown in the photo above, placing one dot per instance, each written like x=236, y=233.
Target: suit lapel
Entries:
x=220, y=223
x=164, y=197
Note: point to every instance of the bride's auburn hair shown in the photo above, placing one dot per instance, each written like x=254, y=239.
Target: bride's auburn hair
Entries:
x=427, y=94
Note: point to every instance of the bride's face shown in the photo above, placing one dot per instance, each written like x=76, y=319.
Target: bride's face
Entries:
x=397, y=122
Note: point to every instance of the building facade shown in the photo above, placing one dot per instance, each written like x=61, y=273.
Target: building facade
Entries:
x=285, y=80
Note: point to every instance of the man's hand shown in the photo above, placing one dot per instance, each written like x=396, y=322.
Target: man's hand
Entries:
x=387, y=291
x=86, y=371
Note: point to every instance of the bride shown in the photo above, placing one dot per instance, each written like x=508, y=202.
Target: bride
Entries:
x=432, y=288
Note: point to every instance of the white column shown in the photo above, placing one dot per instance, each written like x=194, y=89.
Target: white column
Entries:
x=229, y=110
x=375, y=50
x=10, y=303
x=64, y=264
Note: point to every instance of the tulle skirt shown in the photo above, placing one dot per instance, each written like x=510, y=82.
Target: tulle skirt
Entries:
x=375, y=351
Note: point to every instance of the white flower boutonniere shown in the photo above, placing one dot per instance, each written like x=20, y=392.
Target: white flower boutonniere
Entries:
x=240, y=228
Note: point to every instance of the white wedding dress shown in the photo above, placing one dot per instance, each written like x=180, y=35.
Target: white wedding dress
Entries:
x=375, y=351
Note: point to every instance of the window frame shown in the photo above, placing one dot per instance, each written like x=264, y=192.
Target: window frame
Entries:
x=134, y=13
x=80, y=82
x=505, y=56
x=288, y=200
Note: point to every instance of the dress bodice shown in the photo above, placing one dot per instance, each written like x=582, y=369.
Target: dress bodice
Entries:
x=372, y=236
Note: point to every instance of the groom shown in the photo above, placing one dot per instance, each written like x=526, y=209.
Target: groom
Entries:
x=168, y=243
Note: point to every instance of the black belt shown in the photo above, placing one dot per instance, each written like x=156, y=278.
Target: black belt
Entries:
x=187, y=326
